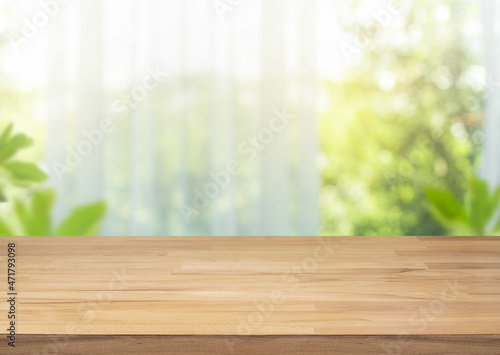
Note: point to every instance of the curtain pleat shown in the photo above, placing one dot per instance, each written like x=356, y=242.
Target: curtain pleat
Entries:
x=306, y=167
x=222, y=127
x=275, y=165
x=59, y=125
x=89, y=177
x=491, y=32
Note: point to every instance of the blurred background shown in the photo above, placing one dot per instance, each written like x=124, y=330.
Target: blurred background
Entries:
x=253, y=117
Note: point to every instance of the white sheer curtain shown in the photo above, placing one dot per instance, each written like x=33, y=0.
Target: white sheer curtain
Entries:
x=225, y=71
x=491, y=24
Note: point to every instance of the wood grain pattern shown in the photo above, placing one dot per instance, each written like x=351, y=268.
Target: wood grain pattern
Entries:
x=335, y=290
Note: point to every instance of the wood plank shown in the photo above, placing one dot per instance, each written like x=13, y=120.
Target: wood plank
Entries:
x=321, y=295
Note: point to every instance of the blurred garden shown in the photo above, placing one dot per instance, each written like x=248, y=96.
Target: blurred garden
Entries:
x=400, y=129
x=406, y=116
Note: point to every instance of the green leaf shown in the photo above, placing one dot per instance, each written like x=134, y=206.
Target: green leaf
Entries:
x=35, y=215
x=13, y=145
x=25, y=172
x=448, y=211
x=478, y=205
x=41, y=211
x=5, y=229
x=494, y=204
x=23, y=216
x=446, y=206
x=5, y=135
x=83, y=221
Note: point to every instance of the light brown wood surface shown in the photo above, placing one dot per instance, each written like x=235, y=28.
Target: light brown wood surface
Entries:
x=372, y=290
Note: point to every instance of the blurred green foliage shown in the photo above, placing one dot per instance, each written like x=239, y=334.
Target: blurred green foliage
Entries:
x=32, y=216
x=18, y=173
x=477, y=215
x=405, y=116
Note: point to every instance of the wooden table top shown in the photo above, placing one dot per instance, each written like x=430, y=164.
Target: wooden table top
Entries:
x=256, y=285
